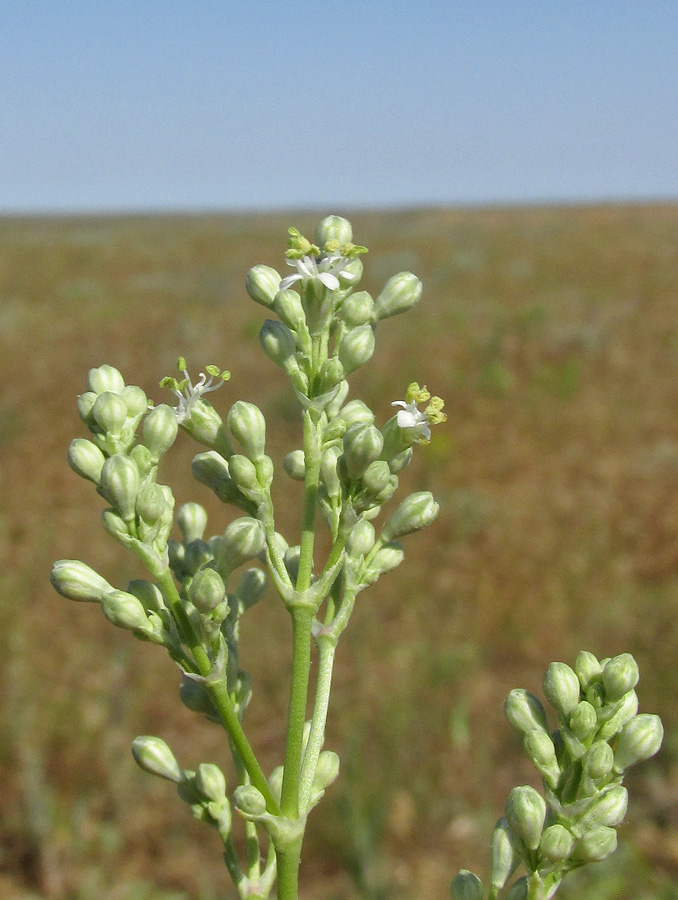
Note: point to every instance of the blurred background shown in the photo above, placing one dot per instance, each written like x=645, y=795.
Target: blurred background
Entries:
x=522, y=160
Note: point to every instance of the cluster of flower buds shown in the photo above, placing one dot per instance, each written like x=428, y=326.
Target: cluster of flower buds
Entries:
x=582, y=764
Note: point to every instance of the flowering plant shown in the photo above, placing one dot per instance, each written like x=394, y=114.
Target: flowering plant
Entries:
x=192, y=600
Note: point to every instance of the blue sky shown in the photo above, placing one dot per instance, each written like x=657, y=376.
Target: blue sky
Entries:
x=161, y=104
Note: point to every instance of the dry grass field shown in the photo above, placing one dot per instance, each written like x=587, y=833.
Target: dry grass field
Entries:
x=552, y=334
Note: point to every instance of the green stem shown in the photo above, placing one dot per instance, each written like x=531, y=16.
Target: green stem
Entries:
x=301, y=663
x=288, y=871
x=316, y=738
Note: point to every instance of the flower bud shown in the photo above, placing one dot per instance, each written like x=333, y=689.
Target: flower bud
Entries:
x=415, y=512
x=211, y=469
x=76, y=581
x=250, y=800
x=207, y=590
x=85, y=404
x=328, y=471
x=525, y=812
x=135, y=400
x=247, y=425
x=505, y=854
x=288, y=306
x=609, y=807
x=151, y=503
x=195, y=697
x=400, y=293
x=291, y=558
x=110, y=412
x=539, y=747
x=518, y=890
x=588, y=668
x=114, y=525
x=331, y=374
x=333, y=228
x=294, y=465
x=277, y=342
x=401, y=460
x=192, y=521
x=327, y=770
x=583, y=721
x=124, y=611
x=351, y=273
x=243, y=471
x=362, y=445
x=598, y=760
x=354, y=412
x=387, y=558
x=210, y=781
x=525, y=711
x=86, y=459
x=120, y=484
x=466, y=886
x=153, y=755
x=361, y=539
x=243, y=539
x=620, y=675
x=160, y=430
x=356, y=348
x=358, y=309
x=105, y=378
x=376, y=477
x=640, y=739
x=262, y=284
x=556, y=843
x=251, y=586
x=595, y=845
x=562, y=687
x=148, y=594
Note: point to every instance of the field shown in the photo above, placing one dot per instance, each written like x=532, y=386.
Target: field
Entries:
x=552, y=334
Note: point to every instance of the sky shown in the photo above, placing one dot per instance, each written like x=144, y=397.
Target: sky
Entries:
x=190, y=105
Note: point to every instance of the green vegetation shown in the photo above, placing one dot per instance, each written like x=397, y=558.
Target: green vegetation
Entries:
x=553, y=336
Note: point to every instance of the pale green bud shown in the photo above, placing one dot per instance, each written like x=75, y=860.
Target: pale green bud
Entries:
x=583, y=721
x=76, y=581
x=628, y=707
x=243, y=471
x=110, y=412
x=518, y=890
x=294, y=465
x=598, y=760
x=160, y=430
x=328, y=471
x=561, y=687
x=620, y=675
x=369, y=498
x=384, y=560
x=150, y=503
x=243, y=539
x=141, y=456
x=556, y=843
x=86, y=459
x=376, y=477
x=114, y=524
x=356, y=412
x=356, y=348
x=195, y=697
x=247, y=425
x=196, y=555
x=262, y=284
x=206, y=426
x=608, y=808
x=541, y=750
x=400, y=293
x=415, y=512
x=525, y=812
x=358, y=309
x=331, y=374
x=148, y=594
x=192, y=521
x=210, y=781
x=251, y=586
x=250, y=800
x=401, y=460
x=277, y=342
x=505, y=854
x=362, y=445
x=120, y=484
x=124, y=611
x=361, y=539
x=289, y=309
x=85, y=404
x=207, y=590
x=351, y=273
x=291, y=558
x=466, y=886
x=327, y=770
x=153, y=755
x=639, y=740
x=525, y=711
x=333, y=228
x=211, y=469
x=595, y=845
x=588, y=668
x=105, y=378
x=135, y=399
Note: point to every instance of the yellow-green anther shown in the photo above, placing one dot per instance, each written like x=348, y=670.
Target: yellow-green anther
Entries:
x=246, y=423
x=434, y=411
x=595, y=845
x=206, y=590
x=327, y=770
x=251, y=586
x=192, y=521
x=620, y=675
x=588, y=668
x=277, y=342
x=77, y=581
x=135, y=399
x=356, y=348
x=400, y=293
x=362, y=445
x=120, y=484
x=598, y=760
x=153, y=755
x=562, y=688
x=556, y=843
x=125, y=611
x=608, y=808
x=262, y=284
x=249, y=800
x=358, y=309
x=466, y=886
x=288, y=306
x=415, y=512
x=86, y=459
x=105, y=378
x=583, y=721
x=110, y=412
x=210, y=781
x=333, y=230
x=525, y=711
x=160, y=430
x=541, y=750
x=639, y=740
x=525, y=812
x=505, y=854
x=294, y=465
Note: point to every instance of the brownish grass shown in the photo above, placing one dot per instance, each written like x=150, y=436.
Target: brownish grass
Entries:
x=553, y=336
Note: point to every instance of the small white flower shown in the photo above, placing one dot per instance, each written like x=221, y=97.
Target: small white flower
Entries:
x=325, y=270
x=188, y=393
x=411, y=417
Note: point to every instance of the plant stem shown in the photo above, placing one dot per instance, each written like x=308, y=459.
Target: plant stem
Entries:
x=316, y=738
x=301, y=663
x=288, y=871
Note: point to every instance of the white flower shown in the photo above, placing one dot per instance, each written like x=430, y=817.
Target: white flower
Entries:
x=189, y=393
x=411, y=417
x=325, y=270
